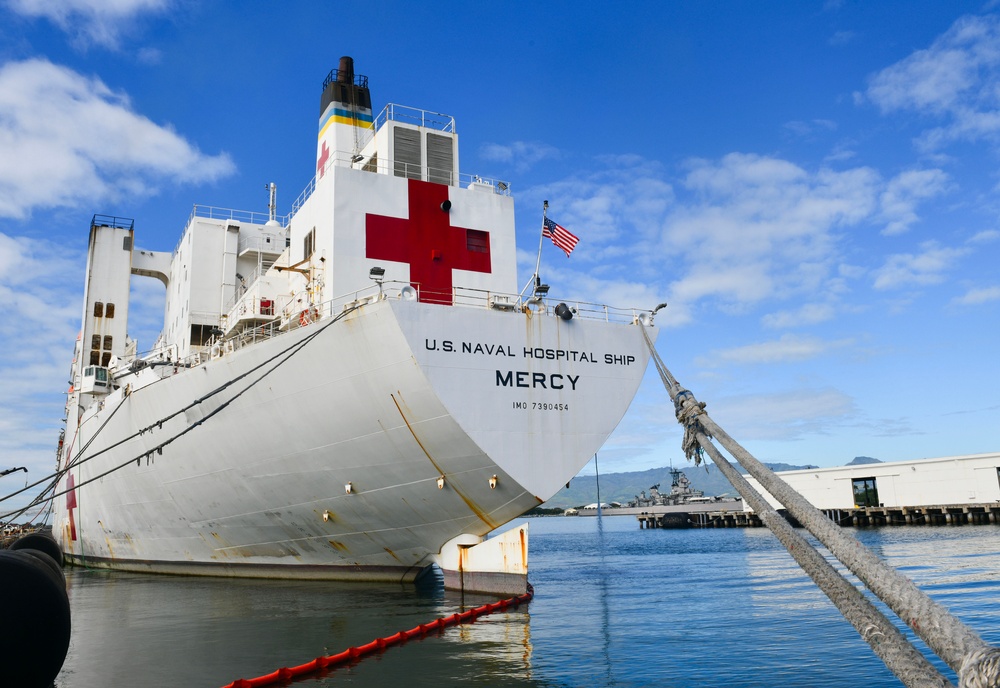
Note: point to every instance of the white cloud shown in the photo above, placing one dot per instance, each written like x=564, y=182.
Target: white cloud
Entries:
x=523, y=155
x=100, y=22
x=74, y=139
x=735, y=233
x=783, y=350
x=976, y=296
x=904, y=192
x=807, y=314
x=842, y=37
x=810, y=129
x=954, y=79
x=41, y=283
x=985, y=237
x=782, y=416
x=754, y=227
x=923, y=268
x=626, y=197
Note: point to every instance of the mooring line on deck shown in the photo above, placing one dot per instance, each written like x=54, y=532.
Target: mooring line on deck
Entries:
x=76, y=461
x=976, y=662
x=381, y=644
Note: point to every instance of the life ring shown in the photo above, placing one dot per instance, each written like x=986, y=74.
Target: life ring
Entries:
x=307, y=316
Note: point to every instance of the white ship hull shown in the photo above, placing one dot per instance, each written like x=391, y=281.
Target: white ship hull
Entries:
x=350, y=448
x=287, y=424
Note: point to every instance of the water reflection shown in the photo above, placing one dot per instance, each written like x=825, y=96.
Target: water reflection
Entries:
x=132, y=629
x=614, y=606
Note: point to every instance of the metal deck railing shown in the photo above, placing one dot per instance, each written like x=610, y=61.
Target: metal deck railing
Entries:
x=287, y=315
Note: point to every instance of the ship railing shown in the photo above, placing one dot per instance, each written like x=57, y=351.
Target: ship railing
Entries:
x=287, y=319
x=260, y=244
x=402, y=169
x=467, y=296
x=245, y=285
x=411, y=115
x=243, y=216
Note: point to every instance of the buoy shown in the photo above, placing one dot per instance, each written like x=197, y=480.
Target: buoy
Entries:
x=35, y=611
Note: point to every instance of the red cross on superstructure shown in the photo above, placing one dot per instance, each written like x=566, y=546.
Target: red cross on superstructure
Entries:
x=321, y=162
x=428, y=242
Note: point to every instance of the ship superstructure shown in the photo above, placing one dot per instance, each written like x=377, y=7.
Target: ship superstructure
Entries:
x=353, y=390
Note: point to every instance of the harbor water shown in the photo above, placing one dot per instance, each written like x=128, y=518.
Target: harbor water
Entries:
x=613, y=606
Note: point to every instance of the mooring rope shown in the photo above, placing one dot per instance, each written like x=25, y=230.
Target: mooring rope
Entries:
x=976, y=663
x=380, y=644
x=888, y=643
x=287, y=352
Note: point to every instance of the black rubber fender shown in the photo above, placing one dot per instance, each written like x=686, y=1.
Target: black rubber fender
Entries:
x=36, y=618
x=42, y=543
x=677, y=519
x=52, y=568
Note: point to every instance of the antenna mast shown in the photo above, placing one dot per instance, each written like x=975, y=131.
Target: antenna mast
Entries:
x=272, y=205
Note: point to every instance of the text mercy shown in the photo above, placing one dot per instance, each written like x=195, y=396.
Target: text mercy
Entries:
x=524, y=378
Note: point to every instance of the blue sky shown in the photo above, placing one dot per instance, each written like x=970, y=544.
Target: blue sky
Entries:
x=811, y=186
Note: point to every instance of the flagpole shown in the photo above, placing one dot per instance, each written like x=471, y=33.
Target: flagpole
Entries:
x=541, y=240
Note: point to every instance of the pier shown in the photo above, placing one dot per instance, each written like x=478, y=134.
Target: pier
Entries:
x=939, y=514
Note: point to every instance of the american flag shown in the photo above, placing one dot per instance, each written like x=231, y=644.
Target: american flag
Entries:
x=561, y=237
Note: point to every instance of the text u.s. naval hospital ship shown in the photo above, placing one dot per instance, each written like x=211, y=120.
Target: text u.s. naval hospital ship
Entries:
x=354, y=391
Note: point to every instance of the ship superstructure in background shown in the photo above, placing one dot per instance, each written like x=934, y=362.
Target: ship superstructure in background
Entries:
x=355, y=390
x=681, y=492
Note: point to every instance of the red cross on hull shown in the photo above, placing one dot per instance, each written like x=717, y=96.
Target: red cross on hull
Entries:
x=70, y=505
x=428, y=242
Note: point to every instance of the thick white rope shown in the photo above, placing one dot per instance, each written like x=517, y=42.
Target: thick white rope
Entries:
x=976, y=663
x=886, y=641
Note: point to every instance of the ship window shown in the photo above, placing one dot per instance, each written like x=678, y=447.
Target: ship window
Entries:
x=127, y=243
x=98, y=309
x=477, y=241
x=109, y=312
x=106, y=359
x=107, y=342
x=95, y=357
x=95, y=342
x=865, y=492
x=309, y=243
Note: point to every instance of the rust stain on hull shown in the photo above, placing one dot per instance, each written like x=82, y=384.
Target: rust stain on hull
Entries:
x=475, y=508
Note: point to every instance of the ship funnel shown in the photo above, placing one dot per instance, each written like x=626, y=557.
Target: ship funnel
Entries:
x=346, y=90
x=345, y=73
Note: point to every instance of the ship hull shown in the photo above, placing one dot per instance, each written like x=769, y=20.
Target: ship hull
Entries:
x=353, y=448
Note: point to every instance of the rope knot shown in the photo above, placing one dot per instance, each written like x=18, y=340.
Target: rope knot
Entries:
x=687, y=409
x=980, y=668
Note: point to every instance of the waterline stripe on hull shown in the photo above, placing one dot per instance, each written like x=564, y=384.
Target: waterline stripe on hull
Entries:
x=380, y=574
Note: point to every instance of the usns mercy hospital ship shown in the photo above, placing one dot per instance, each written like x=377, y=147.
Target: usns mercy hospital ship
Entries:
x=354, y=391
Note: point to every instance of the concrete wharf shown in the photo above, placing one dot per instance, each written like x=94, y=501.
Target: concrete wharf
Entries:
x=937, y=514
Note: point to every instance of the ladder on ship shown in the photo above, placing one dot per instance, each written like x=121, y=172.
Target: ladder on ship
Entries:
x=976, y=663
